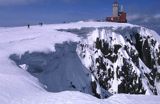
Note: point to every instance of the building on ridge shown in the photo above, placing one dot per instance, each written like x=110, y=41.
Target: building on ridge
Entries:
x=118, y=15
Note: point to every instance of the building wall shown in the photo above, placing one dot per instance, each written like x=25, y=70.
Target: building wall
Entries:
x=115, y=9
x=123, y=18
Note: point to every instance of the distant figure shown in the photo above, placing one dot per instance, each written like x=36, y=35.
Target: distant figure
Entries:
x=41, y=24
x=28, y=26
x=73, y=86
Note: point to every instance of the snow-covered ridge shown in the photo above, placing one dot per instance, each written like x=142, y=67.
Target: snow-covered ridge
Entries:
x=123, y=60
x=51, y=51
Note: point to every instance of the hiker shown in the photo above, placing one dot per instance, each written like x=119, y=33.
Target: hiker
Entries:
x=41, y=24
x=28, y=26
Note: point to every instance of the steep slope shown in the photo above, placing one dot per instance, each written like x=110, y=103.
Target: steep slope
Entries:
x=123, y=60
x=58, y=71
x=90, y=57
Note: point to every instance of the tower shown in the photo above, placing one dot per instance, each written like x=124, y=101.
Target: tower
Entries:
x=121, y=8
x=119, y=14
x=115, y=8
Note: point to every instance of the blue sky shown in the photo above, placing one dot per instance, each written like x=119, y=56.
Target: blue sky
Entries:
x=22, y=12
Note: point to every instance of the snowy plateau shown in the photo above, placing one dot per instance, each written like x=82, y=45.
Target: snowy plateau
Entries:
x=80, y=63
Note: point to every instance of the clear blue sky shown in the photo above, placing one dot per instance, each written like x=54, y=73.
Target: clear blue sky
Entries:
x=22, y=12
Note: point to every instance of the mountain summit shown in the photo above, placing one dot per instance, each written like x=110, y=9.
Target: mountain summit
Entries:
x=97, y=58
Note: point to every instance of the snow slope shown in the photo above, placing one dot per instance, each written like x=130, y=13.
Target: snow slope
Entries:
x=14, y=81
x=20, y=87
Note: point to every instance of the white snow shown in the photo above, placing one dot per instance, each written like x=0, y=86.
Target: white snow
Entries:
x=18, y=87
x=24, y=66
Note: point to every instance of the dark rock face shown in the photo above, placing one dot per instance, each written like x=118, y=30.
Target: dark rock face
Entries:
x=94, y=87
x=133, y=65
x=146, y=47
x=132, y=83
x=110, y=53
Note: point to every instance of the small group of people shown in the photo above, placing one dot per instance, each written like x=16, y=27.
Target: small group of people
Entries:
x=28, y=26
